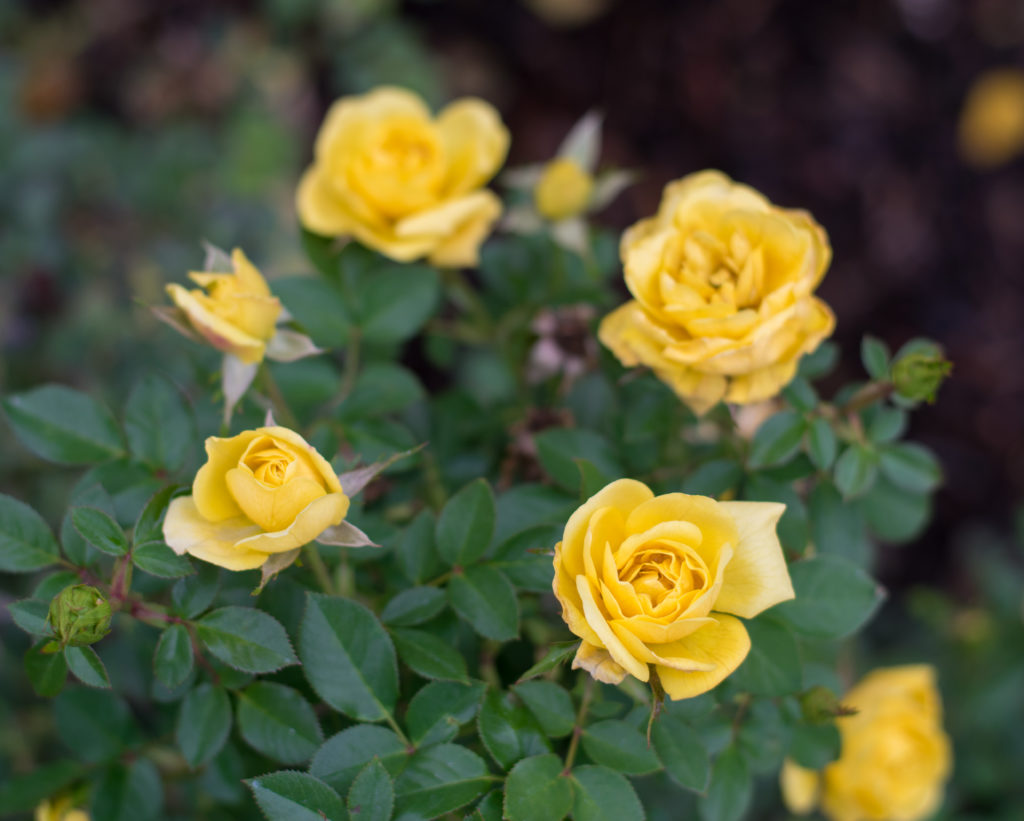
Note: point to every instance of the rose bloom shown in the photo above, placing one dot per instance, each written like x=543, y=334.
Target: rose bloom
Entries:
x=723, y=285
x=402, y=182
x=895, y=755
x=262, y=492
x=658, y=581
x=233, y=311
x=991, y=127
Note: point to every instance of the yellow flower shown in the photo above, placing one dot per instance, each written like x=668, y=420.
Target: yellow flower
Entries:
x=563, y=190
x=262, y=492
x=402, y=182
x=236, y=312
x=991, y=128
x=723, y=285
x=659, y=580
x=895, y=755
x=60, y=809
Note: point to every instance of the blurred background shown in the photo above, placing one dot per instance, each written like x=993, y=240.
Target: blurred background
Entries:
x=131, y=130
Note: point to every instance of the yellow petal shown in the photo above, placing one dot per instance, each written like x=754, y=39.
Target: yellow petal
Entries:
x=800, y=787
x=312, y=456
x=623, y=495
x=272, y=508
x=716, y=526
x=757, y=576
x=646, y=653
x=476, y=142
x=218, y=332
x=250, y=279
x=598, y=662
x=462, y=248
x=320, y=210
x=210, y=489
x=348, y=114
x=596, y=620
x=724, y=643
x=313, y=520
x=186, y=531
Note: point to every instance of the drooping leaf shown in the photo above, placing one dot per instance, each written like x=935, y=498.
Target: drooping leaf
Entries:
x=87, y=667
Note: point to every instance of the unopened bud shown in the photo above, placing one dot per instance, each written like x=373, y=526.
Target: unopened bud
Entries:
x=79, y=615
x=917, y=375
x=820, y=706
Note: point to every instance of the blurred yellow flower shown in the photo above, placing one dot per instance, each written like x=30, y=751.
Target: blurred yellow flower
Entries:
x=60, y=809
x=563, y=190
x=263, y=492
x=402, y=182
x=991, y=128
x=657, y=581
x=723, y=284
x=232, y=310
x=895, y=755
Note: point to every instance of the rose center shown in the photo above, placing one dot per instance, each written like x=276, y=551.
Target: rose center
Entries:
x=268, y=461
x=720, y=272
x=656, y=573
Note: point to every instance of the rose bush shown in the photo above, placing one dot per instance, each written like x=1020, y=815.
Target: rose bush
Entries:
x=723, y=292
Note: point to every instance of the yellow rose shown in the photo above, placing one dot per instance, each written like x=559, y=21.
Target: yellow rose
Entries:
x=563, y=190
x=262, y=492
x=236, y=313
x=723, y=285
x=895, y=755
x=991, y=127
x=403, y=182
x=60, y=810
x=659, y=580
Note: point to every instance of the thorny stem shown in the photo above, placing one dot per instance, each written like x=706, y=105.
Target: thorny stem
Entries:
x=657, y=700
x=316, y=564
x=577, y=730
x=867, y=396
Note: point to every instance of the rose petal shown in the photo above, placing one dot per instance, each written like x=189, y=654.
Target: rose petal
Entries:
x=757, y=577
x=186, y=531
x=724, y=643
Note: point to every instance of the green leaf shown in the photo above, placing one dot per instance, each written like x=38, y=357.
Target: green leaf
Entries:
x=46, y=672
x=23, y=792
x=485, y=600
x=601, y=794
x=159, y=426
x=438, y=780
x=413, y=606
x=550, y=704
x=559, y=449
x=319, y=307
x=381, y=388
x=157, y=559
x=772, y=667
x=372, y=796
x=128, y=793
x=77, y=549
x=777, y=440
x=801, y=395
x=95, y=724
x=149, y=525
x=99, y=530
x=838, y=528
x=525, y=558
x=30, y=615
x=64, y=425
x=193, y=594
x=714, y=478
x=682, y=753
x=730, y=790
x=856, y=471
x=833, y=598
x=815, y=745
x=819, y=362
x=278, y=722
x=489, y=808
x=348, y=658
x=466, y=524
x=620, y=746
x=508, y=730
x=26, y=541
x=885, y=424
x=294, y=796
x=246, y=639
x=557, y=653
x=429, y=655
x=416, y=555
x=438, y=710
x=893, y=514
x=911, y=467
x=396, y=302
x=822, y=444
x=173, y=658
x=204, y=722
x=875, y=355
x=536, y=790
x=341, y=758
x=87, y=667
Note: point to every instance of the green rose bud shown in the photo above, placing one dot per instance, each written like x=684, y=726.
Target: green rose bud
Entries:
x=820, y=706
x=79, y=615
x=918, y=374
